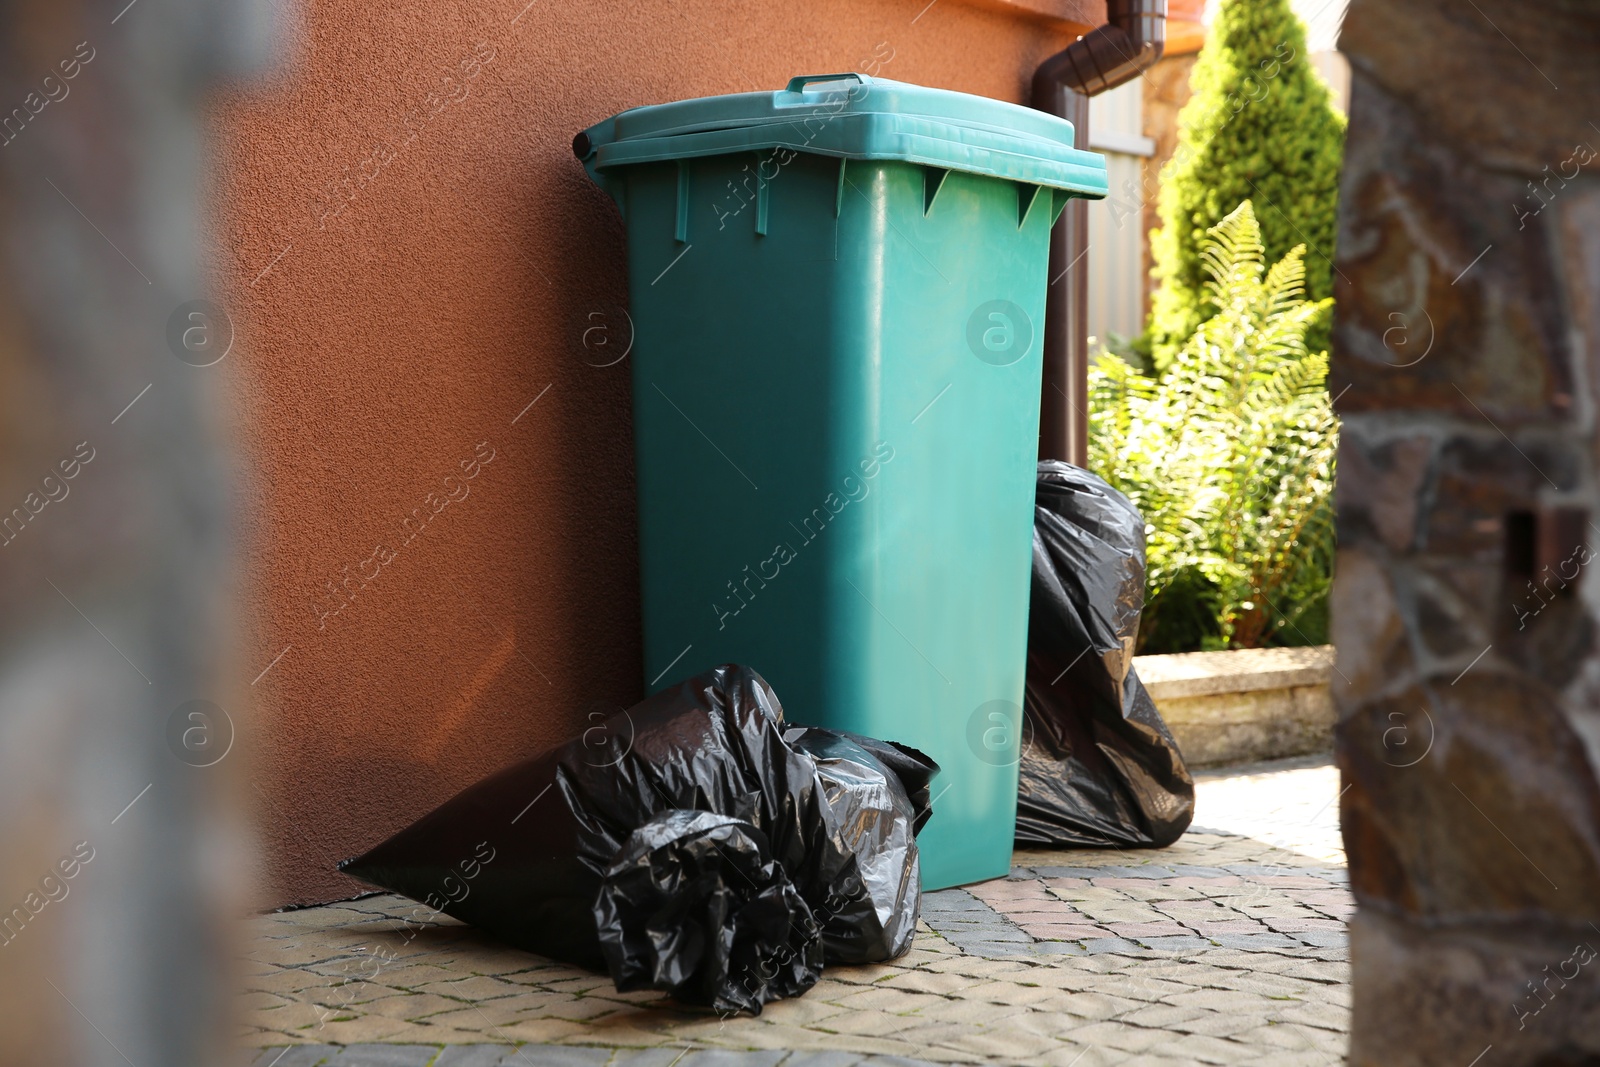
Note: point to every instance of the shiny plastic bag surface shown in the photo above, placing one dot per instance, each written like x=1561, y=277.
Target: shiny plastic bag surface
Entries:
x=695, y=905
x=878, y=793
x=586, y=852
x=1098, y=767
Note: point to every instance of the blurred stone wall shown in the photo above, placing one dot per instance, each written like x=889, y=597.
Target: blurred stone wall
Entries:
x=118, y=860
x=1465, y=360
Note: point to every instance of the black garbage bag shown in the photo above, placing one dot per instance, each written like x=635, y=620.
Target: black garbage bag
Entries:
x=580, y=853
x=878, y=792
x=695, y=905
x=1098, y=767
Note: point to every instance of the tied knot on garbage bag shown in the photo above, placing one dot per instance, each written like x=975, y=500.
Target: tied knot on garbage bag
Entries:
x=722, y=858
x=1102, y=768
x=695, y=904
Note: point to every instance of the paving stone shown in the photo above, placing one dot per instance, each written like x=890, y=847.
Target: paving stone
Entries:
x=1120, y=1036
x=994, y=929
x=1200, y=1048
x=986, y=932
x=1335, y=1017
x=475, y=987
x=1220, y=1023
x=1075, y=1055
x=825, y=1059
x=1175, y=944
x=998, y=949
x=349, y=1029
x=1007, y=1044
x=1149, y=871
x=1241, y=927
x=1226, y=884
x=951, y=900
x=476, y=1056
x=1142, y=930
x=1309, y=1058
x=878, y=1023
x=1060, y=948
x=296, y=1056
x=718, y=1058
x=1064, y=931
x=1267, y=984
x=1220, y=1000
x=1109, y=944
x=1277, y=1036
x=1324, y=938
x=639, y=1057
x=385, y=1056
x=1160, y=1016
x=1295, y=924
x=1067, y=872
x=1255, y=942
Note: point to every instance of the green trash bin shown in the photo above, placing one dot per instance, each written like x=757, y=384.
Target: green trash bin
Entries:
x=837, y=293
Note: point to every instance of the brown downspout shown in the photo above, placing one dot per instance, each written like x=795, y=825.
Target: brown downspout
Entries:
x=1131, y=40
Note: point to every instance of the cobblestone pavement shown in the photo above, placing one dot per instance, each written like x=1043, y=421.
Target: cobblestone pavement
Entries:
x=1227, y=948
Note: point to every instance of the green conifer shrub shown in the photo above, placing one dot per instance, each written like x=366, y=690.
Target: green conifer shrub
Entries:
x=1261, y=126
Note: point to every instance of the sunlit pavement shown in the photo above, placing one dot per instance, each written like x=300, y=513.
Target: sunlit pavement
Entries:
x=1226, y=948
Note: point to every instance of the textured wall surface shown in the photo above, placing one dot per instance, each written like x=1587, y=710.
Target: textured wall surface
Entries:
x=412, y=258
x=1466, y=345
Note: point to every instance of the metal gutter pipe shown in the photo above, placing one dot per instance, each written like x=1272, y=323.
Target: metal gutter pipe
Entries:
x=1131, y=40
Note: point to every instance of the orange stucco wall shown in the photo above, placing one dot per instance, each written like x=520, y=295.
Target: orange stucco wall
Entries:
x=411, y=256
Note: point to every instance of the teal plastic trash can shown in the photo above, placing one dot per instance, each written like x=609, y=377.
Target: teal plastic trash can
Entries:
x=837, y=293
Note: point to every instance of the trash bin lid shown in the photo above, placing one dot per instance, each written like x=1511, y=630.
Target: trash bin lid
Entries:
x=854, y=116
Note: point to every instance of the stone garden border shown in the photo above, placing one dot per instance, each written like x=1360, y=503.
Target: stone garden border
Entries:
x=1244, y=705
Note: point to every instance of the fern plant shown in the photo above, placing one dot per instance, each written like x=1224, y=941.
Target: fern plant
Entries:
x=1230, y=457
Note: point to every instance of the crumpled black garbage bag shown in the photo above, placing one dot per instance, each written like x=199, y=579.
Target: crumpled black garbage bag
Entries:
x=528, y=853
x=695, y=906
x=1098, y=767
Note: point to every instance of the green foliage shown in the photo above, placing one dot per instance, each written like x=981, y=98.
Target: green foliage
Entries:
x=1260, y=126
x=1229, y=456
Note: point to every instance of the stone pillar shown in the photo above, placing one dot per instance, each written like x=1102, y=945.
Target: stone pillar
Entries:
x=116, y=857
x=1465, y=344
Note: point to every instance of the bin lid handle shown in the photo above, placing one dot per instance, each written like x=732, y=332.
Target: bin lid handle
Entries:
x=798, y=85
